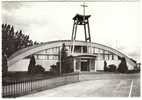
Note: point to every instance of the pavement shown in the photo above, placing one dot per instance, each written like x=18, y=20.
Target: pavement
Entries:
x=107, y=87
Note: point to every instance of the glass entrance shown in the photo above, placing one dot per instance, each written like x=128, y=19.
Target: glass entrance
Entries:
x=84, y=65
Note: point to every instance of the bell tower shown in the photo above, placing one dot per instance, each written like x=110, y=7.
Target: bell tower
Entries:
x=81, y=20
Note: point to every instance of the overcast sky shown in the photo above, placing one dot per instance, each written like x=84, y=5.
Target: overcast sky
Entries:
x=115, y=24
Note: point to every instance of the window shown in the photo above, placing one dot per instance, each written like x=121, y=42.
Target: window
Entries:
x=101, y=51
x=55, y=50
x=101, y=57
x=89, y=49
x=50, y=57
x=115, y=57
x=77, y=65
x=93, y=50
x=47, y=57
x=110, y=56
x=47, y=51
x=106, y=52
x=77, y=49
x=36, y=56
x=92, y=64
x=55, y=58
x=105, y=57
x=68, y=48
x=96, y=50
x=84, y=49
x=40, y=57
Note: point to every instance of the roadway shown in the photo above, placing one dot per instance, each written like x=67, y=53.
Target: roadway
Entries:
x=127, y=86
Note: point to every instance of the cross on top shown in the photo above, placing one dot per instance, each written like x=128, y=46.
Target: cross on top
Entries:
x=84, y=7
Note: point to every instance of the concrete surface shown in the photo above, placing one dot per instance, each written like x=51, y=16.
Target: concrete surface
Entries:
x=121, y=86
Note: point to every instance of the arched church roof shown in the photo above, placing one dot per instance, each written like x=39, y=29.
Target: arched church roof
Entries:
x=36, y=48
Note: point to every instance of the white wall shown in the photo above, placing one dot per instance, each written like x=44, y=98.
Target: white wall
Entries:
x=115, y=62
x=130, y=67
x=99, y=64
x=46, y=63
x=21, y=65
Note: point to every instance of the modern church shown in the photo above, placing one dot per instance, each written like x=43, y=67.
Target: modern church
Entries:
x=85, y=55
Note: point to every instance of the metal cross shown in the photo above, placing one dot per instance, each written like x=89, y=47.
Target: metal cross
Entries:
x=84, y=10
x=84, y=7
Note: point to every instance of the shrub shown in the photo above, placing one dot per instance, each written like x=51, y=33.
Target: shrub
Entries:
x=38, y=69
x=112, y=68
x=31, y=64
x=33, y=68
x=105, y=66
x=123, y=68
x=54, y=69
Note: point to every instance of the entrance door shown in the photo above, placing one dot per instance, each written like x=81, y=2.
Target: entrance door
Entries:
x=84, y=65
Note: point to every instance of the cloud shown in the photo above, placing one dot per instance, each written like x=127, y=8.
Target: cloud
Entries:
x=47, y=21
x=40, y=19
x=9, y=6
x=132, y=52
x=135, y=55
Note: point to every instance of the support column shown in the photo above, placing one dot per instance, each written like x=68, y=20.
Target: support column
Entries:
x=73, y=31
x=81, y=49
x=74, y=65
x=89, y=36
x=81, y=20
x=95, y=64
x=85, y=32
x=90, y=65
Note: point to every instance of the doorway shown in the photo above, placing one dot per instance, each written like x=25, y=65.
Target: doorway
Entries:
x=84, y=65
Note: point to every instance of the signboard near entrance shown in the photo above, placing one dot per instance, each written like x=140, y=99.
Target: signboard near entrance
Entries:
x=84, y=60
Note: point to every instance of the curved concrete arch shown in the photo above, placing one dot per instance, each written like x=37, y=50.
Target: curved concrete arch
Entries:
x=31, y=50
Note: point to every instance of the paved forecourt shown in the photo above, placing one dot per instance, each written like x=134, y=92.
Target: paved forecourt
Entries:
x=127, y=86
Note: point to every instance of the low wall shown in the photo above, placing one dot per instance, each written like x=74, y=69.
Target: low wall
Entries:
x=31, y=86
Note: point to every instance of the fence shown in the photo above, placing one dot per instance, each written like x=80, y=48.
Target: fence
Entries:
x=19, y=88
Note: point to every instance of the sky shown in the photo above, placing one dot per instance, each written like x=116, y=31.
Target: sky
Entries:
x=115, y=24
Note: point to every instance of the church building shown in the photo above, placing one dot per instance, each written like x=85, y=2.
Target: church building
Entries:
x=85, y=55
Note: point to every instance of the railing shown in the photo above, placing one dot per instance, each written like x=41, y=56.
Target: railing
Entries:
x=19, y=88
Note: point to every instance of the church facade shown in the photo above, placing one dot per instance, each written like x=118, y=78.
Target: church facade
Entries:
x=86, y=56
